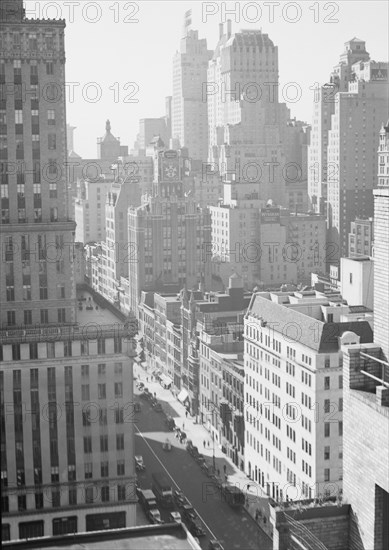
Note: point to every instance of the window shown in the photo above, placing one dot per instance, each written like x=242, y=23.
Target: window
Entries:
x=118, y=389
x=119, y=442
x=120, y=468
x=85, y=391
x=44, y=316
x=104, y=443
x=340, y=428
x=351, y=278
x=326, y=474
x=101, y=391
x=327, y=429
x=88, y=470
x=101, y=369
x=118, y=369
x=85, y=371
x=326, y=453
x=119, y=416
x=87, y=445
x=340, y=380
x=61, y=314
x=326, y=382
x=103, y=417
x=326, y=405
x=105, y=493
x=89, y=495
x=104, y=469
x=121, y=492
x=49, y=67
x=52, y=141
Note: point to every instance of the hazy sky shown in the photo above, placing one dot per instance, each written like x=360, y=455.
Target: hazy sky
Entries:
x=107, y=46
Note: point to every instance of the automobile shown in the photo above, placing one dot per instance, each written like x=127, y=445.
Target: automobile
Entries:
x=179, y=497
x=175, y=517
x=157, y=407
x=195, y=528
x=200, y=458
x=188, y=512
x=166, y=445
x=139, y=464
x=153, y=401
x=215, y=545
x=140, y=385
x=154, y=516
x=183, y=502
x=137, y=407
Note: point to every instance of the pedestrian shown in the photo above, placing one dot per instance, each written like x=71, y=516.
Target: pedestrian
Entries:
x=218, y=472
x=208, y=444
x=147, y=378
x=204, y=443
x=226, y=477
x=248, y=487
x=183, y=426
x=186, y=414
x=155, y=395
x=225, y=468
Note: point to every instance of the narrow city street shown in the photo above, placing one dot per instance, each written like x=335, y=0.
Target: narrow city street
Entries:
x=236, y=529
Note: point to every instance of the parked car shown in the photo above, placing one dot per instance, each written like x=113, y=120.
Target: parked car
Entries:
x=215, y=545
x=188, y=512
x=137, y=407
x=154, y=516
x=195, y=528
x=157, y=407
x=175, y=517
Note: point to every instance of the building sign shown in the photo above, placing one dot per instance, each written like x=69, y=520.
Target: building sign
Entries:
x=170, y=154
x=270, y=215
x=379, y=74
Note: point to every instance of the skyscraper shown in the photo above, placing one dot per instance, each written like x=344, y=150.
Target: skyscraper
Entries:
x=35, y=203
x=243, y=114
x=366, y=392
x=167, y=233
x=189, y=108
x=324, y=107
x=66, y=450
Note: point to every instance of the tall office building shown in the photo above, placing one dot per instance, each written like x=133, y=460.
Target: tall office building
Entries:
x=189, y=109
x=324, y=108
x=244, y=116
x=34, y=200
x=366, y=393
x=108, y=147
x=352, y=149
x=66, y=456
x=168, y=233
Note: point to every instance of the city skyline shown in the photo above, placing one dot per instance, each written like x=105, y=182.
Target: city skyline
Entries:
x=108, y=60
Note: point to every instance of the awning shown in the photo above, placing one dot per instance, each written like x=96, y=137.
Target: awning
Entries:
x=166, y=381
x=183, y=396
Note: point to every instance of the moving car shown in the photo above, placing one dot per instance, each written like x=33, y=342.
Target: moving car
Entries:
x=147, y=499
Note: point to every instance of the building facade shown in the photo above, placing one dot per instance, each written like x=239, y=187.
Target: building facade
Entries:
x=293, y=391
x=66, y=456
x=189, y=109
x=168, y=231
x=360, y=238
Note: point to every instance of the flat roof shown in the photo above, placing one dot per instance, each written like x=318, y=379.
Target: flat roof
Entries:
x=146, y=537
x=99, y=316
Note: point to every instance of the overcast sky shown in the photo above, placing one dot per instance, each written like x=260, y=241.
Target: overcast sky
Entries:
x=116, y=43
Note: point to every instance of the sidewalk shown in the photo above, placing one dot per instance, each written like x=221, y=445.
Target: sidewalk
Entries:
x=255, y=497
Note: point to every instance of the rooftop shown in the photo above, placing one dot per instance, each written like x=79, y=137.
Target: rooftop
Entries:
x=148, y=537
x=97, y=314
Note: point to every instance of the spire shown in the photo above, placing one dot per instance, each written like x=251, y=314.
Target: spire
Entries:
x=108, y=127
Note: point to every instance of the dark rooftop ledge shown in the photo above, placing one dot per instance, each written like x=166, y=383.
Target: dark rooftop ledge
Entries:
x=145, y=537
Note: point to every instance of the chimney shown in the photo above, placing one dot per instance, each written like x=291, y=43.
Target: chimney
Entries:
x=229, y=28
x=220, y=30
